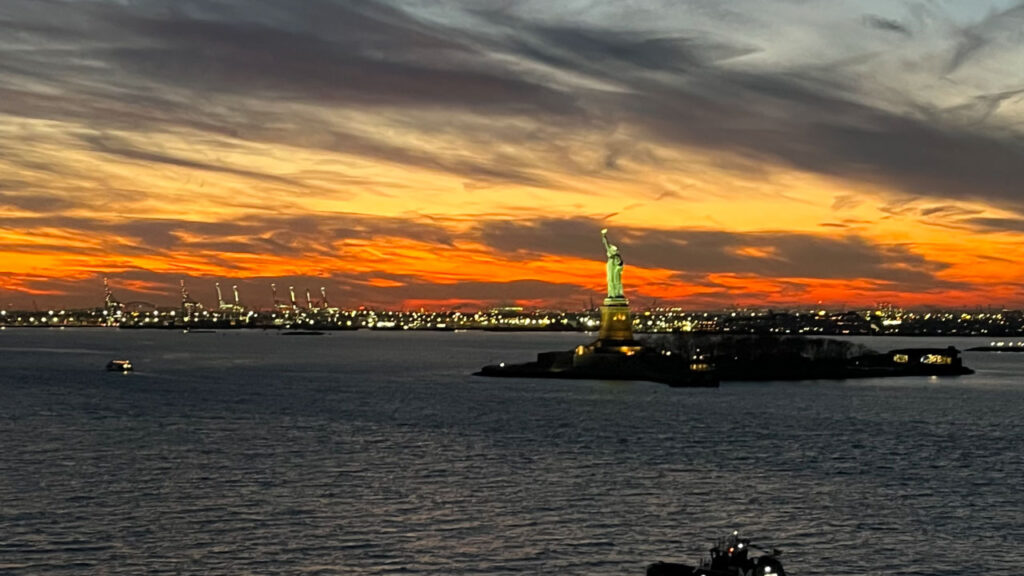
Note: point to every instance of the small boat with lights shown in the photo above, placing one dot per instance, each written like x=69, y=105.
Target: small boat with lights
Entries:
x=120, y=366
x=730, y=556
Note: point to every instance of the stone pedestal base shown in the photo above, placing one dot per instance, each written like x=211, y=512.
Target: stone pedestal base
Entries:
x=616, y=321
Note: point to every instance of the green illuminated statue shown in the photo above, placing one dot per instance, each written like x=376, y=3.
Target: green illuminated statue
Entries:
x=614, y=267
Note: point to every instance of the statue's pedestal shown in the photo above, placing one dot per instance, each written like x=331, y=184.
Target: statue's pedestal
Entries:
x=616, y=321
x=614, y=351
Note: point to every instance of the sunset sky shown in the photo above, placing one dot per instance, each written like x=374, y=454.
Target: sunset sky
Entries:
x=442, y=153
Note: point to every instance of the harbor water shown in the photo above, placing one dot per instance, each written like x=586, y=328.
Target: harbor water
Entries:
x=371, y=453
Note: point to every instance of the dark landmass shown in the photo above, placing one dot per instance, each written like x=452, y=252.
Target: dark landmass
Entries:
x=611, y=363
x=763, y=358
x=702, y=360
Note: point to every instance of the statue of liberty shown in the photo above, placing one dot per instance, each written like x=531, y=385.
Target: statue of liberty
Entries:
x=613, y=267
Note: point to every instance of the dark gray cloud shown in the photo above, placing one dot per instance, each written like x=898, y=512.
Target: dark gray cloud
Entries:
x=980, y=108
x=277, y=235
x=769, y=254
x=947, y=210
x=996, y=224
x=282, y=65
x=886, y=24
x=122, y=149
x=600, y=50
x=976, y=38
x=341, y=53
x=31, y=202
x=793, y=121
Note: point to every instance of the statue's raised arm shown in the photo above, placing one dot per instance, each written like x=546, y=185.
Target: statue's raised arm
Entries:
x=613, y=267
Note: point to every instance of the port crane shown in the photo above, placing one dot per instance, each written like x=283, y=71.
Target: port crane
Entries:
x=112, y=308
x=236, y=306
x=109, y=301
x=188, y=305
x=221, y=305
x=324, y=303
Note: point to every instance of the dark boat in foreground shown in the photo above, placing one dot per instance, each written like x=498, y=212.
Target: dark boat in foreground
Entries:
x=119, y=366
x=730, y=556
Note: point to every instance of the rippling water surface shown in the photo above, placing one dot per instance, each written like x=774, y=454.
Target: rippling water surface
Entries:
x=378, y=453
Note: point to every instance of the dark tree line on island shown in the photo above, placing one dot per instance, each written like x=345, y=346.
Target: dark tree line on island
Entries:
x=772, y=357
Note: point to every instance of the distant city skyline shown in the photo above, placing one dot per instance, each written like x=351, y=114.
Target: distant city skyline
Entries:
x=464, y=154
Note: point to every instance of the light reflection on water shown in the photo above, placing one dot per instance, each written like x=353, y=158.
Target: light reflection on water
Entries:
x=375, y=453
